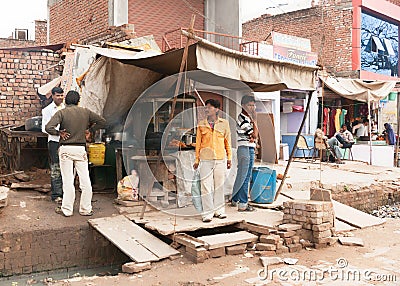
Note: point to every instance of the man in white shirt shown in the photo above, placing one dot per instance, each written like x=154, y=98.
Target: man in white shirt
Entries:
x=53, y=143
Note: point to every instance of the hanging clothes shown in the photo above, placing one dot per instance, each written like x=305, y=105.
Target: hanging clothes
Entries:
x=326, y=119
x=343, y=117
x=337, y=119
x=332, y=129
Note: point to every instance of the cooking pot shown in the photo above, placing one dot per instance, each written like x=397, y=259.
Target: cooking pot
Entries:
x=117, y=136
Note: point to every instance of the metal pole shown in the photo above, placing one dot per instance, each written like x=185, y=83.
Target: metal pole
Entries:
x=295, y=145
x=398, y=132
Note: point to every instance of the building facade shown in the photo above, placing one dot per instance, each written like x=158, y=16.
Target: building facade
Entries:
x=355, y=38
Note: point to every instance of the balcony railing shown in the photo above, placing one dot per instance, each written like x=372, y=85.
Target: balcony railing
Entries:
x=174, y=39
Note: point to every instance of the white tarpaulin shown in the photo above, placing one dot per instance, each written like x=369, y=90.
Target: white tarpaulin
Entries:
x=357, y=89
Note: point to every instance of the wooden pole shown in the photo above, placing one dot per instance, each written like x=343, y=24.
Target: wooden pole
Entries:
x=295, y=145
x=171, y=115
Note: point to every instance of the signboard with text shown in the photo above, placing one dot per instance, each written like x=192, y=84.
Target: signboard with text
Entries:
x=292, y=42
x=295, y=56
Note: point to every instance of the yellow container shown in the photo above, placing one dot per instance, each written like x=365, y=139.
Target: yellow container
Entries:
x=97, y=153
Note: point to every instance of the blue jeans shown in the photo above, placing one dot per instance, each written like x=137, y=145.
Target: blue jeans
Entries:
x=245, y=159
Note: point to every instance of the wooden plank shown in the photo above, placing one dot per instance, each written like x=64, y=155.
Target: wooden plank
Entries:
x=148, y=241
x=118, y=230
x=152, y=243
x=355, y=217
x=228, y=239
x=23, y=185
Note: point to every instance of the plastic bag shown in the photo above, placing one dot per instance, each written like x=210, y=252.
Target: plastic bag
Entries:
x=196, y=192
x=128, y=187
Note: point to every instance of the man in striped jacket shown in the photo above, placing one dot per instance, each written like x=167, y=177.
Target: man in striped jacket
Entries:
x=247, y=131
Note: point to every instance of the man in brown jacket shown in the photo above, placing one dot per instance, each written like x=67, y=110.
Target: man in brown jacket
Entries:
x=74, y=121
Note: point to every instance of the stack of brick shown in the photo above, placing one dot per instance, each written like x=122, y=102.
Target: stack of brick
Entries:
x=280, y=241
x=315, y=217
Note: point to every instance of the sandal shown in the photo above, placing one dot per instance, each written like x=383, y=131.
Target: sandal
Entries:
x=87, y=214
x=247, y=209
x=221, y=216
x=59, y=211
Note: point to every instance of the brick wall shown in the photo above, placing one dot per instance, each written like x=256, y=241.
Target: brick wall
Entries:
x=74, y=20
x=13, y=43
x=157, y=17
x=42, y=250
x=19, y=71
x=328, y=27
x=112, y=34
x=40, y=32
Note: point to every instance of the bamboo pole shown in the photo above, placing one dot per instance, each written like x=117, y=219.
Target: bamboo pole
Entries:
x=295, y=145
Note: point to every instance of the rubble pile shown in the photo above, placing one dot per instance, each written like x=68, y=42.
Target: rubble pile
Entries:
x=388, y=211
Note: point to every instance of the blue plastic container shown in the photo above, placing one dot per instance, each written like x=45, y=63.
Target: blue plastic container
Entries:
x=263, y=185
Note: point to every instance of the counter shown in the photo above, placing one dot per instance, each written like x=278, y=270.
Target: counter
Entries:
x=382, y=155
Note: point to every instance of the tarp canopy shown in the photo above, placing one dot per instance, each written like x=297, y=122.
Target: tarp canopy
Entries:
x=115, y=80
x=258, y=73
x=357, y=89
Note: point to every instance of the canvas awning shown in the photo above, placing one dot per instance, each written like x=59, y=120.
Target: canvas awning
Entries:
x=357, y=89
x=215, y=61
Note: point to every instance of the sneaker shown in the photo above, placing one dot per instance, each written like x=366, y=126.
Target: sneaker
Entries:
x=87, y=214
x=247, y=209
x=58, y=200
x=207, y=219
x=221, y=216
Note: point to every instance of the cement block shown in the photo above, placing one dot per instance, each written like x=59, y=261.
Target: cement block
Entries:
x=351, y=241
x=236, y=249
x=217, y=252
x=133, y=267
x=294, y=247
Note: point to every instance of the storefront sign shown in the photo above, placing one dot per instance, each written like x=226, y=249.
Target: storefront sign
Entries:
x=291, y=42
x=295, y=56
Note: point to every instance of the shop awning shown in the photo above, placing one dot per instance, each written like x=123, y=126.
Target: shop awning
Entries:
x=258, y=73
x=357, y=89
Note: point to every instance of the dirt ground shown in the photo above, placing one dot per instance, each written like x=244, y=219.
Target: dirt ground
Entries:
x=377, y=260
x=35, y=210
x=350, y=265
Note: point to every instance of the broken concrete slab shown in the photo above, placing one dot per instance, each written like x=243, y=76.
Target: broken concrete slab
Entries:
x=133, y=267
x=266, y=261
x=319, y=194
x=351, y=241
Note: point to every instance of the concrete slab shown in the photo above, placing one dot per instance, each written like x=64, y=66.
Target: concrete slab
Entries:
x=351, y=241
x=167, y=223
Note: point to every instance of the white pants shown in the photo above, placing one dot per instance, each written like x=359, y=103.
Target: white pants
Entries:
x=71, y=156
x=212, y=176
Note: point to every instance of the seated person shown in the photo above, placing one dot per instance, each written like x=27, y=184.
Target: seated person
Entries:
x=389, y=134
x=344, y=137
x=334, y=145
x=361, y=129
